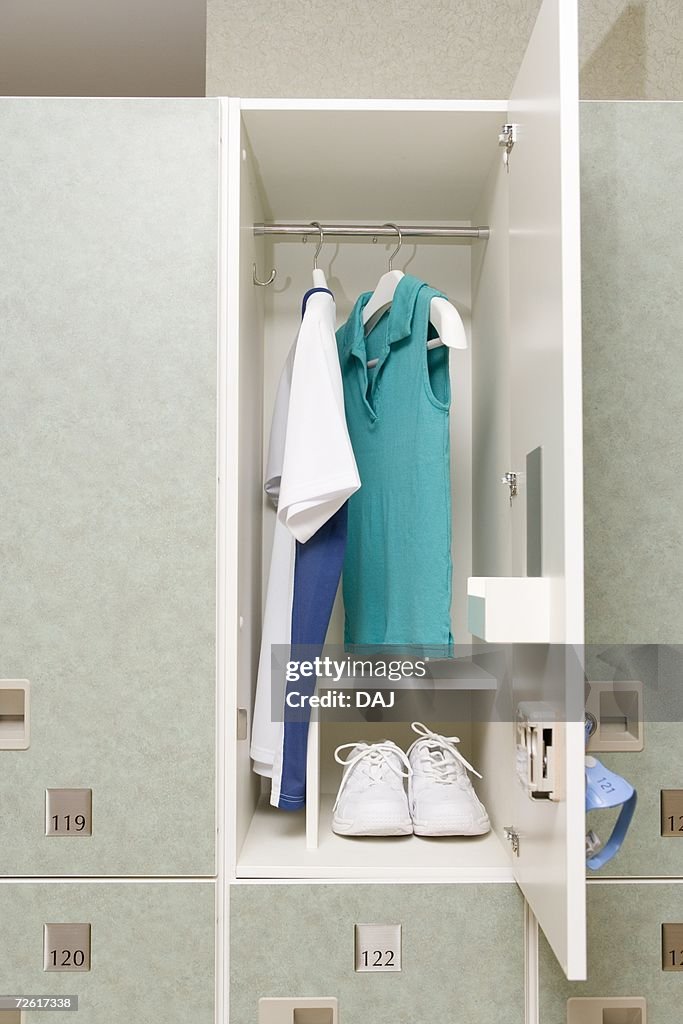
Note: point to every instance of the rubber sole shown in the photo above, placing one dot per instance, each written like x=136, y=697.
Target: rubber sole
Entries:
x=340, y=829
x=449, y=830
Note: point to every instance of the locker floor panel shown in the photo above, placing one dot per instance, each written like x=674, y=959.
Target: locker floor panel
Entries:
x=275, y=848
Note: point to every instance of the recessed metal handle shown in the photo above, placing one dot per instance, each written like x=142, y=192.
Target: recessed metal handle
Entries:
x=242, y=723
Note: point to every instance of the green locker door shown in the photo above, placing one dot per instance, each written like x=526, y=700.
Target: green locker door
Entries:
x=151, y=949
x=626, y=953
x=450, y=934
x=108, y=284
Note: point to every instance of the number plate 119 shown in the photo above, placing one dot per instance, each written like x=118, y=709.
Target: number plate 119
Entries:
x=68, y=812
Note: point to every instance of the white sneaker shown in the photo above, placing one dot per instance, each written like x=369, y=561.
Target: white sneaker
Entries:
x=372, y=800
x=442, y=800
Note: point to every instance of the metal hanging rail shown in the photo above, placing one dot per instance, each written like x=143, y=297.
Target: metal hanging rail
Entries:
x=371, y=230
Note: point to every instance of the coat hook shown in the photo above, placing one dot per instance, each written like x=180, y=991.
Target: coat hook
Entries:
x=315, y=224
x=262, y=284
x=400, y=242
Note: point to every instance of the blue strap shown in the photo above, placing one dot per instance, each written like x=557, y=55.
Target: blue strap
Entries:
x=312, y=291
x=613, y=844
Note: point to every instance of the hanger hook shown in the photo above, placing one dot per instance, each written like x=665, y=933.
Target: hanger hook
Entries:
x=315, y=224
x=262, y=284
x=400, y=242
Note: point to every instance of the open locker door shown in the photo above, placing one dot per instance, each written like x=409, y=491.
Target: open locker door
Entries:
x=546, y=414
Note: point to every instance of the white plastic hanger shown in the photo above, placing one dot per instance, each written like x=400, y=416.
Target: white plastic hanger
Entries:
x=443, y=315
x=319, y=279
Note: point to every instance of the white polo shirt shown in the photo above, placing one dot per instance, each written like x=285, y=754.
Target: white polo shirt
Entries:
x=310, y=472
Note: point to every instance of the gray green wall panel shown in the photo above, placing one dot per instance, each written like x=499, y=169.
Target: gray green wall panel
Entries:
x=630, y=49
x=108, y=283
x=624, y=953
x=467, y=48
x=152, y=949
x=632, y=231
x=297, y=940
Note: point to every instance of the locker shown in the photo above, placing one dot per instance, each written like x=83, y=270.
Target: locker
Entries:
x=467, y=925
x=625, y=952
x=633, y=219
x=651, y=848
x=152, y=948
x=518, y=387
x=631, y=216
x=107, y=536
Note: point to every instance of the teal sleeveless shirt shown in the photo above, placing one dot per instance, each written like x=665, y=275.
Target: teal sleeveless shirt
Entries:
x=397, y=577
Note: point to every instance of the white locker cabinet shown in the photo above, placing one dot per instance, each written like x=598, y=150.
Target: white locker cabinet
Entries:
x=517, y=388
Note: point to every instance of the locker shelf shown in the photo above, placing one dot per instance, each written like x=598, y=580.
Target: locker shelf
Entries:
x=275, y=848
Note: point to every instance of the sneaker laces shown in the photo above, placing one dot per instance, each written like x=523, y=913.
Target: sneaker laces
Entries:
x=373, y=760
x=442, y=760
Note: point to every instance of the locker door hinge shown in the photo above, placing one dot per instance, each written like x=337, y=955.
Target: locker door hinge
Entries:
x=512, y=836
x=511, y=479
x=507, y=138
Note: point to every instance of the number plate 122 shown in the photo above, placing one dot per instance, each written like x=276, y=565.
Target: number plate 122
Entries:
x=377, y=947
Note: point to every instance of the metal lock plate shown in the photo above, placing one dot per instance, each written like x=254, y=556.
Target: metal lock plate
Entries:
x=612, y=1010
x=672, y=813
x=68, y=812
x=298, y=1010
x=377, y=948
x=15, y=733
x=672, y=947
x=615, y=712
x=66, y=947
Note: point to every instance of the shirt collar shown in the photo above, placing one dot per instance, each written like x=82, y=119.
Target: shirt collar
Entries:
x=313, y=291
x=400, y=316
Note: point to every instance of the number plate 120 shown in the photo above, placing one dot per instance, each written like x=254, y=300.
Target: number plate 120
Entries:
x=66, y=947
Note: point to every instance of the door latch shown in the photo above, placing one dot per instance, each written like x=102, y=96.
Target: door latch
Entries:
x=507, y=138
x=510, y=478
x=540, y=744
